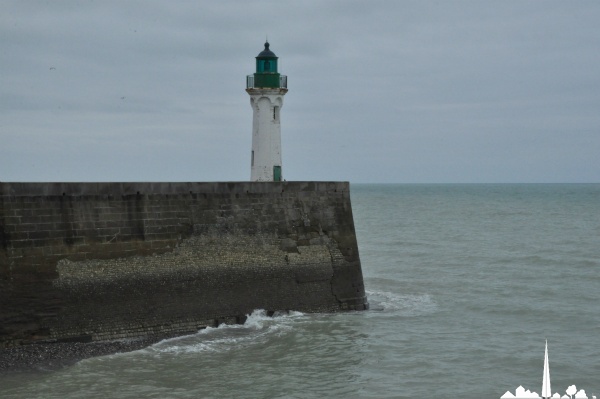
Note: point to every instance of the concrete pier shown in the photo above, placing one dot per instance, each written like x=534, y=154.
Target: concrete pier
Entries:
x=100, y=261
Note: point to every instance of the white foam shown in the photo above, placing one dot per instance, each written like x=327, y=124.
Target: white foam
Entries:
x=258, y=327
x=406, y=305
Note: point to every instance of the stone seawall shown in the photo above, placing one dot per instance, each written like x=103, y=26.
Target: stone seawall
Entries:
x=99, y=261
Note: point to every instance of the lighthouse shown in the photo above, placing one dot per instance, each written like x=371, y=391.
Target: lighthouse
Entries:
x=266, y=88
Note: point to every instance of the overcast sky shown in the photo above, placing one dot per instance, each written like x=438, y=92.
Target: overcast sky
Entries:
x=379, y=91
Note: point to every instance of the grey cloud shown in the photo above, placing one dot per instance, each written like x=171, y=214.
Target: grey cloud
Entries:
x=405, y=91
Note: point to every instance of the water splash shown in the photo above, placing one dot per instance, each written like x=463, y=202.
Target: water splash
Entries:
x=257, y=328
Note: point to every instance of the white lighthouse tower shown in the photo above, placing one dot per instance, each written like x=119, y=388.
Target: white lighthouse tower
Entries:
x=266, y=88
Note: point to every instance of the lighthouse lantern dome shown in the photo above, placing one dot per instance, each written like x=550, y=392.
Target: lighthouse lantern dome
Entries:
x=266, y=75
x=266, y=61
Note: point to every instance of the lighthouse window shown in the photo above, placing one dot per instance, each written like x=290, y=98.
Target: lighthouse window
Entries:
x=267, y=65
x=252, y=161
x=275, y=113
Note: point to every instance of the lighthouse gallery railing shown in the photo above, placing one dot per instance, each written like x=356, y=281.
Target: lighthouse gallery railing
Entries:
x=266, y=81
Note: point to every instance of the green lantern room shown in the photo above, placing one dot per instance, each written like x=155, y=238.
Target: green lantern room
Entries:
x=266, y=75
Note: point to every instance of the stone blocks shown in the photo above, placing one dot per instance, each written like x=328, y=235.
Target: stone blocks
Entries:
x=99, y=261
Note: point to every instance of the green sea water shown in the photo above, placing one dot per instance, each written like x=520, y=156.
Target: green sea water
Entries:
x=465, y=282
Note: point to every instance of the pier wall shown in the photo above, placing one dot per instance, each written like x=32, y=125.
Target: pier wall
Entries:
x=101, y=261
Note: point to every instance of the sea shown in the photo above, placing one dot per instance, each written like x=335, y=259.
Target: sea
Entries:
x=466, y=284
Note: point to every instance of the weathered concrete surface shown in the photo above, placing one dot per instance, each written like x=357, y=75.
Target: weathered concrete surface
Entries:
x=98, y=261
